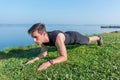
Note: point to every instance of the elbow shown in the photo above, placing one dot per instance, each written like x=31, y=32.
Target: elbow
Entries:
x=45, y=54
x=65, y=58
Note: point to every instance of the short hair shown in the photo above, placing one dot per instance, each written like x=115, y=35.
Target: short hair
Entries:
x=39, y=27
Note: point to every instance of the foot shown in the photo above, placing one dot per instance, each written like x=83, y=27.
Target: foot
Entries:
x=100, y=42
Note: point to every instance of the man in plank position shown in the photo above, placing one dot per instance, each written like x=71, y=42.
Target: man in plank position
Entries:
x=59, y=39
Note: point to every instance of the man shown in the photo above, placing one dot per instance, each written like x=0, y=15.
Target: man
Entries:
x=58, y=39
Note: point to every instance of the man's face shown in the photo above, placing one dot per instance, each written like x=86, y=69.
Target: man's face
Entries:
x=37, y=37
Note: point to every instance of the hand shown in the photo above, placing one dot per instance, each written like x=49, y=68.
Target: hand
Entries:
x=44, y=66
x=32, y=60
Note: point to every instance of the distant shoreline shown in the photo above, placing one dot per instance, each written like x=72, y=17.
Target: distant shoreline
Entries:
x=110, y=26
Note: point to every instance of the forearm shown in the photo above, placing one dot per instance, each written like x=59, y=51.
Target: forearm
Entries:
x=41, y=55
x=32, y=60
x=59, y=59
x=38, y=57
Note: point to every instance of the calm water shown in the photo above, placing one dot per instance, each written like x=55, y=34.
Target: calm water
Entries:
x=16, y=35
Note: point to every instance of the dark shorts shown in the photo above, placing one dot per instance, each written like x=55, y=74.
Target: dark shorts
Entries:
x=73, y=37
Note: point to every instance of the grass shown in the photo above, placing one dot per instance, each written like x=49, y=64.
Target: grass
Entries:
x=86, y=62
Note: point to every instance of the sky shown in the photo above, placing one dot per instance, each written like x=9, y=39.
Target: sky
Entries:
x=60, y=11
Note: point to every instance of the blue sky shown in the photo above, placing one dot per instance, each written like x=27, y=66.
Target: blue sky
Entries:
x=60, y=11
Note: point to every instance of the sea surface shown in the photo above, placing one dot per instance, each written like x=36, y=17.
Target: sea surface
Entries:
x=15, y=35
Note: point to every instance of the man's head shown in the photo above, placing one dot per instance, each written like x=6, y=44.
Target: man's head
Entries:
x=37, y=27
x=38, y=32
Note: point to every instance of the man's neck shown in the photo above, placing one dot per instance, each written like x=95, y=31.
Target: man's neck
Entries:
x=46, y=39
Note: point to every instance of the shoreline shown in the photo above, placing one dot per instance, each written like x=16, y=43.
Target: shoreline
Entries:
x=110, y=26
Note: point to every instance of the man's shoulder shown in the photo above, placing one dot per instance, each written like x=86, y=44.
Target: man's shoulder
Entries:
x=60, y=37
x=56, y=31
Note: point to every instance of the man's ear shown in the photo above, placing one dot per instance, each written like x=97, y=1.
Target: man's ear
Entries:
x=44, y=33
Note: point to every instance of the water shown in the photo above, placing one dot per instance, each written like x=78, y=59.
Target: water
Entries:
x=14, y=35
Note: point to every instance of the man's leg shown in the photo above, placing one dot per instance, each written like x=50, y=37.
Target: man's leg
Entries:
x=96, y=38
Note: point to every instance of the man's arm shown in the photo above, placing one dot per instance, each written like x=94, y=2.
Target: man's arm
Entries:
x=62, y=51
x=43, y=51
x=41, y=55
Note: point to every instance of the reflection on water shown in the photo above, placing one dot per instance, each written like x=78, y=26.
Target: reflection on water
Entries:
x=13, y=35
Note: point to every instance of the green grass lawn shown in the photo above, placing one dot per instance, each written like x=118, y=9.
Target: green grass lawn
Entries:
x=86, y=62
